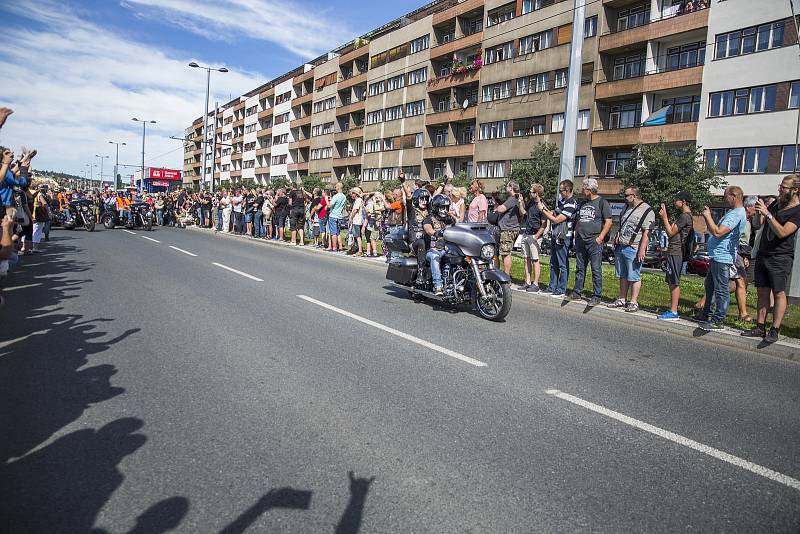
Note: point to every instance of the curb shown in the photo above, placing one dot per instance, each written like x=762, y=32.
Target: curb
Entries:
x=729, y=337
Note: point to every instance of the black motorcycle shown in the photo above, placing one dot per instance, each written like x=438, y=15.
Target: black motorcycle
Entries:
x=79, y=214
x=142, y=217
x=469, y=271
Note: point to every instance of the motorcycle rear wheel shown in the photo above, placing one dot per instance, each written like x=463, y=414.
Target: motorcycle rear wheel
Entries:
x=108, y=223
x=497, y=303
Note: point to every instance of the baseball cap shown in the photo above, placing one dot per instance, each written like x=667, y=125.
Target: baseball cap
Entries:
x=684, y=196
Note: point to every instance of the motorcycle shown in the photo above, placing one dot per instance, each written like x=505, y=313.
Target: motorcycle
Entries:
x=142, y=217
x=468, y=267
x=79, y=213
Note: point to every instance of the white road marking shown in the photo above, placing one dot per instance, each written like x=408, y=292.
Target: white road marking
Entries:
x=418, y=341
x=184, y=251
x=150, y=239
x=132, y=233
x=680, y=440
x=231, y=269
x=26, y=286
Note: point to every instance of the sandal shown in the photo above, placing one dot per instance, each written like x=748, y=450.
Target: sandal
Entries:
x=619, y=303
x=746, y=319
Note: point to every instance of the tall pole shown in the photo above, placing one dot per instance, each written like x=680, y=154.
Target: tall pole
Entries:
x=204, y=144
x=573, y=89
x=141, y=176
x=117, y=181
x=214, y=146
x=797, y=129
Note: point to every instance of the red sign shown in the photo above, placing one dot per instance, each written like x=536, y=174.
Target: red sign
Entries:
x=159, y=183
x=164, y=174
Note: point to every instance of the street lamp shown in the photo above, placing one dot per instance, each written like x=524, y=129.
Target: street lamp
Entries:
x=101, y=158
x=144, y=134
x=117, y=184
x=205, y=121
x=91, y=173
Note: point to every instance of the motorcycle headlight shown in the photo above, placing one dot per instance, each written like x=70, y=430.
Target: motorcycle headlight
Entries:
x=487, y=252
x=84, y=208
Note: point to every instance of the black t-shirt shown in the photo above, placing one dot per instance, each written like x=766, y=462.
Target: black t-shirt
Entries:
x=685, y=225
x=281, y=205
x=259, y=201
x=250, y=202
x=314, y=203
x=298, y=201
x=771, y=244
x=533, y=221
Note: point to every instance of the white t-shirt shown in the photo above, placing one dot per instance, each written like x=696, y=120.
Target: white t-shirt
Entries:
x=237, y=204
x=358, y=205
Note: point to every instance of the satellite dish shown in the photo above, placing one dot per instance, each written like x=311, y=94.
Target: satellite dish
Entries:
x=465, y=105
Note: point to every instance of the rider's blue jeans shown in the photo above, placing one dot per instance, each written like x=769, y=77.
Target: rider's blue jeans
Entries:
x=435, y=258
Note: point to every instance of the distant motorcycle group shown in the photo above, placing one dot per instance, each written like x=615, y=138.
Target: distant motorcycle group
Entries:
x=73, y=211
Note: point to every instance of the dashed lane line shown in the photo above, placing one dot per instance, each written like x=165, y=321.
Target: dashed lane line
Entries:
x=128, y=231
x=231, y=269
x=150, y=239
x=184, y=251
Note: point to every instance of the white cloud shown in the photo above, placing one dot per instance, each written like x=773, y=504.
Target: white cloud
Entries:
x=282, y=22
x=74, y=86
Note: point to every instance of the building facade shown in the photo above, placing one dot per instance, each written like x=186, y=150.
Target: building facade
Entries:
x=473, y=85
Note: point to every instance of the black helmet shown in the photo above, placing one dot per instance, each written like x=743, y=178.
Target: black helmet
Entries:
x=440, y=207
x=420, y=198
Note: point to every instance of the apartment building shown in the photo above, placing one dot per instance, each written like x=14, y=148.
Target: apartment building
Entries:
x=472, y=85
x=751, y=94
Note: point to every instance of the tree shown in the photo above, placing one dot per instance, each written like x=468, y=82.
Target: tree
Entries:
x=661, y=171
x=314, y=180
x=349, y=182
x=542, y=168
x=280, y=182
x=388, y=185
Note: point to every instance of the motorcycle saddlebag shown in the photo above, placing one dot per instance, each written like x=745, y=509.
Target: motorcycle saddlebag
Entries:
x=396, y=240
x=402, y=270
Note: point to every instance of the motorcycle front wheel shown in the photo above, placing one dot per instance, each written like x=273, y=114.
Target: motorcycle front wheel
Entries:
x=148, y=226
x=90, y=225
x=497, y=303
x=108, y=223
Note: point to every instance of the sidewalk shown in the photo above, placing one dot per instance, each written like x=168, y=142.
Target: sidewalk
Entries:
x=786, y=348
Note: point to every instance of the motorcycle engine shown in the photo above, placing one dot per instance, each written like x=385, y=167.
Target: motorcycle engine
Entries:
x=455, y=281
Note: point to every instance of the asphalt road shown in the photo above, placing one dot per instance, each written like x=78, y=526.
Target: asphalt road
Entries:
x=148, y=389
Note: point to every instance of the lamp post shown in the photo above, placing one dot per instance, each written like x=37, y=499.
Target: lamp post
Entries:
x=205, y=121
x=91, y=173
x=117, y=184
x=101, y=158
x=144, y=134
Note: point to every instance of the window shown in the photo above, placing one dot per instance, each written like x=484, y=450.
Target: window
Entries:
x=440, y=137
x=279, y=160
x=247, y=147
x=629, y=66
x=415, y=108
x=794, y=96
x=285, y=97
x=560, y=79
x=539, y=82
x=322, y=153
x=789, y=159
x=686, y=56
x=530, y=5
x=280, y=139
x=251, y=110
x=750, y=40
x=590, y=27
x=374, y=117
x=324, y=105
x=616, y=161
x=370, y=175
x=393, y=113
x=420, y=44
x=683, y=109
x=633, y=17
x=557, y=123
x=742, y=101
x=755, y=160
x=250, y=128
x=322, y=129
x=373, y=145
x=492, y=169
x=377, y=88
x=496, y=91
x=418, y=140
x=498, y=53
x=396, y=82
x=523, y=86
x=418, y=76
x=501, y=15
x=536, y=42
x=494, y=130
x=762, y=99
x=580, y=165
x=249, y=164
x=583, y=119
x=625, y=116
x=529, y=126
x=717, y=159
x=283, y=117
x=738, y=160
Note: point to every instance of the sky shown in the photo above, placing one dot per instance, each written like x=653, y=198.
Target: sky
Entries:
x=76, y=73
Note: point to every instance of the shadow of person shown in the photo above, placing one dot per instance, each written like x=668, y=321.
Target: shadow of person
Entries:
x=62, y=486
x=350, y=522
x=275, y=498
x=162, y=517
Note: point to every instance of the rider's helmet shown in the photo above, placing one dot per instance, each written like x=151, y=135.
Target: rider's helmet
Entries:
x=440, y=207
x=421, y=198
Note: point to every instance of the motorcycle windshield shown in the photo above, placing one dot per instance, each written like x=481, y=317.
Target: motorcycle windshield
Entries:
x=470, y=237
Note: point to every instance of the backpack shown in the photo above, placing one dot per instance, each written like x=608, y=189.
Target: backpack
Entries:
x=689, y=244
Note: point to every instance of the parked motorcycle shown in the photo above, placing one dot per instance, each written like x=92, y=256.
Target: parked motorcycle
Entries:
x=79, y=214
x=142, y=217
x=469, y=271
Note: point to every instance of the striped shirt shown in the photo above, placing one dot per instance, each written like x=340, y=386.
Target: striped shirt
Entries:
x=568, y=207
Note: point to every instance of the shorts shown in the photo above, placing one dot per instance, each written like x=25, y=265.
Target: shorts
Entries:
x=280, y=220
x=531, y=247
x=248, y=217
x=674, y=270
x=356, y=230
x=738, y=270
x=507, y=239
x=296, y=220
x=315, y=231
x=628, y=267
x=773, y=272
x=334, y=226
x=323, y=225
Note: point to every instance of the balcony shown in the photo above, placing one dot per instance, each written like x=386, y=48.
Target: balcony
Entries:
x=610, y=186
x=657, y=29
x=266, y=94
x=302, y=143
x=304, y=99
x=236, y=174
x=456, y=115
x=350, y=108
x=237, y=156
x=266, y=132
x=659, y=81
x=449, y=151
x=623, y=137
x=303, y=121
x=457, y=10
x=348, y=161
x=349, y=134
x=263, y=151
x=262, y=170
x=361, y=51
x=351, y=81
x=447, y=49
x=298, y=166
x=265, y=114
x=238, y=123
x=239, y=106
x=453, y=80
x=303, y=77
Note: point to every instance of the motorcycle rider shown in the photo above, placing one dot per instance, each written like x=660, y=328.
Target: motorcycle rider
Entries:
x=416, y=212
x=434, y=224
